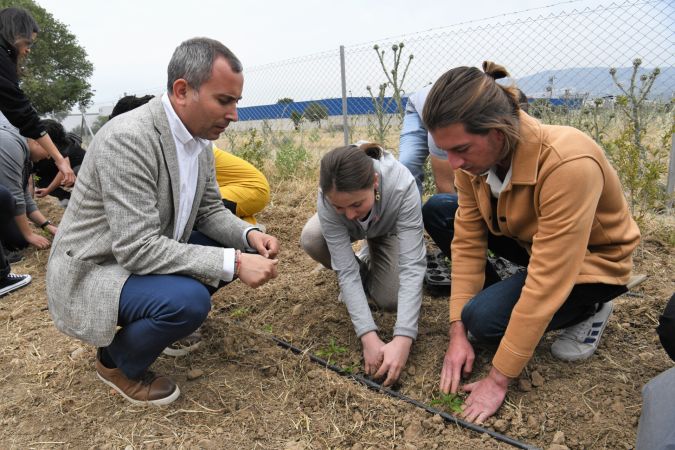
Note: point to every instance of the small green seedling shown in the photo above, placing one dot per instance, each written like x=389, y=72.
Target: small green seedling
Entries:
x=450, y=402
x=351, y=369
x=267, y=328
x=239, y=313
x=331, y=350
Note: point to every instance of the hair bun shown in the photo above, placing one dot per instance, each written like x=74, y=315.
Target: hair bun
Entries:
x=494, y=70
x=371, y=149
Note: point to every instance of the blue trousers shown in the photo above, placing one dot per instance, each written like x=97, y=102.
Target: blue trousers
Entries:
x=487, y=314
x=154, y=312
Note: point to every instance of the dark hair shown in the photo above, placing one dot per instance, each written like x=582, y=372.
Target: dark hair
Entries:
x=17, y=23
x=129, y=102
x=349, y=168
x=56, y=132
x=473, y=98
x=193, y=61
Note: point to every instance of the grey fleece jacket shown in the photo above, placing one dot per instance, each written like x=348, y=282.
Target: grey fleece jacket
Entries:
x=14, y=155
x=399, y=213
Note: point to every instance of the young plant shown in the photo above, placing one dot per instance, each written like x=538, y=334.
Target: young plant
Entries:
x=331, y=350
x=351, y=369
x=239, y=313
x=451, y=403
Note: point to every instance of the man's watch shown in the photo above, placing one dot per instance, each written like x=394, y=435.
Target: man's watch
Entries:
x=45, y=223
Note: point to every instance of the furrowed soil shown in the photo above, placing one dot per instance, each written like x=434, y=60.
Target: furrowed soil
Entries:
x=241, y=390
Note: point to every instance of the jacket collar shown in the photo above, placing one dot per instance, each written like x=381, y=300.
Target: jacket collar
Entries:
x=168, y=149
x=525, y=161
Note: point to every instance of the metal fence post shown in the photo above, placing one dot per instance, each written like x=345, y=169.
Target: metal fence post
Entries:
x=670, y=189
x=345, y=126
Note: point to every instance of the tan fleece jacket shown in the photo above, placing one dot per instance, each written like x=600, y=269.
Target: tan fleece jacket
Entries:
x=566, y=207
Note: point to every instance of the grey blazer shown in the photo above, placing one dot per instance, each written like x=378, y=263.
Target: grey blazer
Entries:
x=120, y=221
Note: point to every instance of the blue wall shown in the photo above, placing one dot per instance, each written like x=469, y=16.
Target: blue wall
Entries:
x=355, y=106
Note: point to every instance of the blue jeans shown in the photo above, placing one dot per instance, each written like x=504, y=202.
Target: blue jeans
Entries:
x=487, y=314
x=414, y=146
x=154, y=312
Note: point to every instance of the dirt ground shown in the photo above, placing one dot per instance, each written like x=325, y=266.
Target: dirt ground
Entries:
x=243, y=391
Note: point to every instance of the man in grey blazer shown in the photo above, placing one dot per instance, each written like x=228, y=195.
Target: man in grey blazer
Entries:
x=146, y=240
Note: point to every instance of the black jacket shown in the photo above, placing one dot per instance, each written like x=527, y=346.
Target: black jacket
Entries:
x=13, y=102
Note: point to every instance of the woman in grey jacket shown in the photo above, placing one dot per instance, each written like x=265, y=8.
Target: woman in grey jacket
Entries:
x=365, y=193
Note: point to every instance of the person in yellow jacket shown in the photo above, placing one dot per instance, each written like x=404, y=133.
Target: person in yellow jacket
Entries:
x=544, y=197
x=244, y=189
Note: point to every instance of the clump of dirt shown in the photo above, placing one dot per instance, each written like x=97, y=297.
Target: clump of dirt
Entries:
x=243, y=391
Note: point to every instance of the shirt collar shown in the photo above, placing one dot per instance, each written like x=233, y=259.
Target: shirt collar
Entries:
x=180, y=133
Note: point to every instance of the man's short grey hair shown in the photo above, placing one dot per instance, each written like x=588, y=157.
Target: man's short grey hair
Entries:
x=193, y=61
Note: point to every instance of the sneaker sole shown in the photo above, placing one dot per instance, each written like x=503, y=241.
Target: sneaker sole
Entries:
x=159, y=402
x=181, y=351
x=16, y=286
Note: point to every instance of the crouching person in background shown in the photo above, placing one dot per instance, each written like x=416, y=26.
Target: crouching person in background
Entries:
x=365, y=193
x=146, y=240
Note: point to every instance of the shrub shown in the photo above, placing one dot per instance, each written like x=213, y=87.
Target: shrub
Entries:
x=291, y=159
x=253, y=149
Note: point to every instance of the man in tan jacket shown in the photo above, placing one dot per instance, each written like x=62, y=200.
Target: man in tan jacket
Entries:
x=544, y=197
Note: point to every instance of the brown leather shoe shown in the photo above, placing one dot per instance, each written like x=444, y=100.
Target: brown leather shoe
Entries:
x=149, y=389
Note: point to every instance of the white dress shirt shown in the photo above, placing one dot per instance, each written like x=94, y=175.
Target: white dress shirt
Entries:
x=188, y=149
x=497, y=185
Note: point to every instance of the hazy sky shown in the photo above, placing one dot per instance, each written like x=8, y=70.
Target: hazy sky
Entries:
x=130, y=42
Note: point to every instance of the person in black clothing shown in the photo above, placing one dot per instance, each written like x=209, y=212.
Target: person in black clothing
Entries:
x=8, y=281
x=18, y=31
x=48, y=179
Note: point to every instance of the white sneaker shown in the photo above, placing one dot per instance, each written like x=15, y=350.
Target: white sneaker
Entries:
x=581, y=340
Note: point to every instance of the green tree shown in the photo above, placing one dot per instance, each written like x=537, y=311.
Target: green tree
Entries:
x=98, y=123
x=56, y=72
x=297, y=118
x=316, y=112
x=285, y=101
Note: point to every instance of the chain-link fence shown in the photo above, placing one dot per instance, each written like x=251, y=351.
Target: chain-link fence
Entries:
x=563, y=58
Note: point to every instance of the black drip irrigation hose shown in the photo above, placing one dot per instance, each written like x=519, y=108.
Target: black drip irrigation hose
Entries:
x=378, y=387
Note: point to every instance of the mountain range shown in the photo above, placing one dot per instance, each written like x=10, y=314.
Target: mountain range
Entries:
x=594, y=81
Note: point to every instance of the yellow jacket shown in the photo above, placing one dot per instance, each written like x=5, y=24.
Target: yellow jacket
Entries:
x=242, y=184
x=566, y=207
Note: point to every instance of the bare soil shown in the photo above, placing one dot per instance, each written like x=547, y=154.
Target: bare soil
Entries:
x=243, y=391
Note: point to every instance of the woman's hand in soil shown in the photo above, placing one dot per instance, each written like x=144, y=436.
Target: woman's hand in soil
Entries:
x=372, y=352
x=485, y=396
x=38, y=241
x=266, y=245
x=255, y=270
x=458, y=359
x=51, y=229
x=395, y=355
